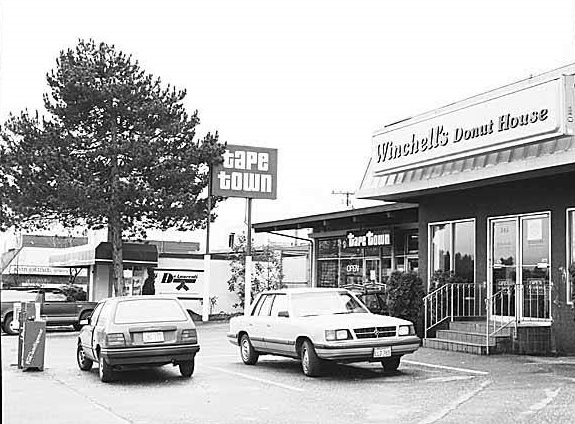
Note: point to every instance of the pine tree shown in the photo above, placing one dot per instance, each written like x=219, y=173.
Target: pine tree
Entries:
x=115, y=148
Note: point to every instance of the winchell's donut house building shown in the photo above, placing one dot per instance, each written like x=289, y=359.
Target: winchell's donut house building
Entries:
x=485, y=192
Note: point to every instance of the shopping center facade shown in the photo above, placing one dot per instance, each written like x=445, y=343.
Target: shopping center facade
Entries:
x=489, y=183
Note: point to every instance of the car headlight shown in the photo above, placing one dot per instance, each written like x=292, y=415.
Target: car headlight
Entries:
x=406, y=330
x=332, y=335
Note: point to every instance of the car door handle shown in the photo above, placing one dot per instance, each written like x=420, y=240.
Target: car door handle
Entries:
x=268, y=325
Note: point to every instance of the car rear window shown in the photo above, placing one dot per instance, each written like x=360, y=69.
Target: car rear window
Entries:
x=149, y=310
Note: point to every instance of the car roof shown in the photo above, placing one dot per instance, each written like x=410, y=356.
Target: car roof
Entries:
x=119, y=299
x=306, y=290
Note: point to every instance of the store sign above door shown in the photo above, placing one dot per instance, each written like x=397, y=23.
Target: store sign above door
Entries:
x=249, y=172
x=512, y=119
x=369, y=239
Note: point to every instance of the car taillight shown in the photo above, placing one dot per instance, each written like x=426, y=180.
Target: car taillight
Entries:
x=189, y=335
x=115, y=339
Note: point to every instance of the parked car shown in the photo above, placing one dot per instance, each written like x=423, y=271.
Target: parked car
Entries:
x=372, y=295
x=55, y=307
x=317, y=325
x=137, y=331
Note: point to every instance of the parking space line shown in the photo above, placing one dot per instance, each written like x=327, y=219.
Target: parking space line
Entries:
x=436, y=416
x=445, y=367
x=260, y=380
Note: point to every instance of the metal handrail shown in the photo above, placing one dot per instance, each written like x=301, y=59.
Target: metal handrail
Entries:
x=536, y=298
x=453, y=300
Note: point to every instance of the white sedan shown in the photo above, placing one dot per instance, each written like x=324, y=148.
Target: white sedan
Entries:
x=319, y=324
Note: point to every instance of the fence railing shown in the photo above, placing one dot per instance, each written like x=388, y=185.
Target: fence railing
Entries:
x=454, y=300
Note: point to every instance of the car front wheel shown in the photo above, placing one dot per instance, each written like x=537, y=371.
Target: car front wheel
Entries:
x=187, y=368
x=311, y=364
x=249, y=354
x=391, y=364
x=105, y=371
x=9, y=325
x=84, y=362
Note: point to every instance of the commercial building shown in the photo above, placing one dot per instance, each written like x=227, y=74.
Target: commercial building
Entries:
x=359, y=245
x=487, y=218
x=494, y=178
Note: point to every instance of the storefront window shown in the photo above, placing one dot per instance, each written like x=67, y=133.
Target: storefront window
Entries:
x=328, y=248
x=571, y=255
x=133, y=281
x=351, y=271
x=366, y=256
x=327, y=273
x=453, y=249
x=441, y=247
x=463, y=250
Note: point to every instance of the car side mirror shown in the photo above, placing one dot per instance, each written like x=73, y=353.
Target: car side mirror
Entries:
x=284, y=314
x=85, y=321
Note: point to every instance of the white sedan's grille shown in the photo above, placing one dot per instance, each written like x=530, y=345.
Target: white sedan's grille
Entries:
x=374, y=332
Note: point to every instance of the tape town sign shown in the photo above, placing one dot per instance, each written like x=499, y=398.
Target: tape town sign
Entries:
x=249, y=172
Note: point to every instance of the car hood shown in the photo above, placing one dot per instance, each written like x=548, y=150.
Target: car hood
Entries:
x=354, y=320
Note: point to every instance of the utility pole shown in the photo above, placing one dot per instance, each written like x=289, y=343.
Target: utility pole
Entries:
x=347, y=195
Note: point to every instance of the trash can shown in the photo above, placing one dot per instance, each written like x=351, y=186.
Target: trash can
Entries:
x=32, y=338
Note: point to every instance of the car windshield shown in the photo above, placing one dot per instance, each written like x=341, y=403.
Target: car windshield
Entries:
x=149, y=310
x=327, y=303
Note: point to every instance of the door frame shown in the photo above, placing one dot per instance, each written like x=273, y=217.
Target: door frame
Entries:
x=519, y=293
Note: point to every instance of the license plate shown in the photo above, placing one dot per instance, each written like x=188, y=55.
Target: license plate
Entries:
x=154, y=337
x=382, y=352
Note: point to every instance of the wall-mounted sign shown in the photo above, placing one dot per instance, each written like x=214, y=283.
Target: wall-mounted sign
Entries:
x=520, y=117
x=40, y=270
x=249, y=172
x=368, y=239
x=186, y=284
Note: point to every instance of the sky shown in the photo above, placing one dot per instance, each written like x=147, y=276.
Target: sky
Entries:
x=313, y=79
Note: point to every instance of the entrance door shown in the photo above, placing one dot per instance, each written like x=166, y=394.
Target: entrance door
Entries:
x=535, y=267
x=504, y=259
x=520, y=262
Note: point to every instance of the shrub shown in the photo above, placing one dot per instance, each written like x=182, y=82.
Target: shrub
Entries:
x=405, y=296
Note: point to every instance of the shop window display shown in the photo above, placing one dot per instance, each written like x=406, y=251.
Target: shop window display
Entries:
x=134, y=278
x=367, y=256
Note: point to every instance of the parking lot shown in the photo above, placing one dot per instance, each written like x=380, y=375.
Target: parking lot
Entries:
x=430, y=386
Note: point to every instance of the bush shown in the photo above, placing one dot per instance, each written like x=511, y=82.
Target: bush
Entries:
x=74, y=293
x=405, y=296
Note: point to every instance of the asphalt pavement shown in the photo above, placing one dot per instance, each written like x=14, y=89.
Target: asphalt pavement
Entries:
x=430, y=387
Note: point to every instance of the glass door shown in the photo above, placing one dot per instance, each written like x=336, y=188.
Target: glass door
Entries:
x=520, y=263
x=504, y=260
x=535, y=266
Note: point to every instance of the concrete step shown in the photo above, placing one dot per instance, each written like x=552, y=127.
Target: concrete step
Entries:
x=469, y=337
x=454, y=346
x=479, y=327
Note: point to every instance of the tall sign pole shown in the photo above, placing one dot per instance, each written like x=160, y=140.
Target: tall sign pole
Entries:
x=207, y=258
x=249, y=172
x=248, y=265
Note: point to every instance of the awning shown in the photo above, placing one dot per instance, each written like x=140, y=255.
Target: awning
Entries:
x=134, y=254
x=382, y=214
x=545, y=157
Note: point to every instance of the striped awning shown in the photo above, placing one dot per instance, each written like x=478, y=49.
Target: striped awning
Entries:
x=134, y=254
x=546, y=156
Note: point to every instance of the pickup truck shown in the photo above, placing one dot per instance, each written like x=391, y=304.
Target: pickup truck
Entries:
x=55, y=308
